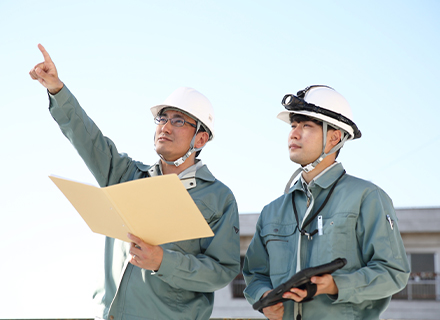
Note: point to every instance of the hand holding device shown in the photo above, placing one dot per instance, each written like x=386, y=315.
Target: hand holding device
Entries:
x=299, y=280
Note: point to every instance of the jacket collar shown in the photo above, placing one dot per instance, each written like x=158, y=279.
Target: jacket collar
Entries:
x=324, y=180
x=188, y=176
x=204, y=174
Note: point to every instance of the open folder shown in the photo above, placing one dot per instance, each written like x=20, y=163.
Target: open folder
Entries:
x=158, y=209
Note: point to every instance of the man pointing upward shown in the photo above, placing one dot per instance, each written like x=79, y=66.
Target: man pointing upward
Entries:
x=174, y=280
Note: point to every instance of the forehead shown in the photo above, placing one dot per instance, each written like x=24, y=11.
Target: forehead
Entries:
x=298, y=118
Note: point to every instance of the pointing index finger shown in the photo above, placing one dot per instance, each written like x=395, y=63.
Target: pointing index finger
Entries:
x=45, y=54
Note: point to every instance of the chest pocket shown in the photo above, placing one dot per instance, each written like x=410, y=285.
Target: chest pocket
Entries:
x=337, y=241
x=281, y=245
x=208, y=212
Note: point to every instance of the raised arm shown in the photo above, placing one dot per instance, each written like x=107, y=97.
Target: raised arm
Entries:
x=98, y=152
x=46, y=73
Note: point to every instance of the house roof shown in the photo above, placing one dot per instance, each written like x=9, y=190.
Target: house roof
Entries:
x=418, y=219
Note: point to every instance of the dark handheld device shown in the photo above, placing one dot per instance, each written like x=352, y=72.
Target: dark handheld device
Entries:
x=299, y=280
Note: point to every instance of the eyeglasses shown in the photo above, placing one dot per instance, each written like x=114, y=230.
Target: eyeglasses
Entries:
x=175, y=122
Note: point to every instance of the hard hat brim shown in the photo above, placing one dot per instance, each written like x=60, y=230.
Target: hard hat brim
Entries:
x=285, y=116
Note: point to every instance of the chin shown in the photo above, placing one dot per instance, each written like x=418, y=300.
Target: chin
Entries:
x=293, y=159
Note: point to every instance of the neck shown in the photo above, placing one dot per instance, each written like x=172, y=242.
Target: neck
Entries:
x=324, y=164
x=170, y=168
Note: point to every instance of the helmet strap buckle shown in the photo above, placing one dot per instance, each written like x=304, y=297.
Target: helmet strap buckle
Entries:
x=308, y=168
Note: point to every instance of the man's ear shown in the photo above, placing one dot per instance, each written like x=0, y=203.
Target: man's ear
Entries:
x=201, y=139
x=335, y=137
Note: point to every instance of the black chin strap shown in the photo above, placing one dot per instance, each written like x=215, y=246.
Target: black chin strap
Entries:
x=309, y=220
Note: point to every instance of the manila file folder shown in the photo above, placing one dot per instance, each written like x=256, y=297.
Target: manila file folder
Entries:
x=158, y=209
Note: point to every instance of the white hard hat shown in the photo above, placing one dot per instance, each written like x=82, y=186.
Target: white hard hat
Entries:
x=322, y=103
x=192, y=102
x=325, y=104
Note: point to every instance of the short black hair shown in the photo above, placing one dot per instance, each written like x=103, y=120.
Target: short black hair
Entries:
x=294, y=117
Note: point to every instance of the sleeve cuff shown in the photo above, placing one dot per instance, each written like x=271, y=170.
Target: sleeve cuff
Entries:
x=59, y=98
x=343, y=284
x=169, y=263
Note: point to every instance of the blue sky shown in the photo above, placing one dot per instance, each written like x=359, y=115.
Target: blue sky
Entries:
x=121, y=57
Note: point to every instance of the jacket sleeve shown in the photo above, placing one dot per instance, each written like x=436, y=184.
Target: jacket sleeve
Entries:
x=98, y=152
x=216, y=265
x=386, y=268
x=256, y=268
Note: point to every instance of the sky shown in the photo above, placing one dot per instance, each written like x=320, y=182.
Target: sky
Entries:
x=119, y=58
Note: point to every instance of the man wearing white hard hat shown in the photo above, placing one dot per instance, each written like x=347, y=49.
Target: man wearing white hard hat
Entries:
x=174, y=280
x=326, y=214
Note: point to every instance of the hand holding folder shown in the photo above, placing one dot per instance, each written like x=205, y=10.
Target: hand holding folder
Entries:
x=158, y=209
